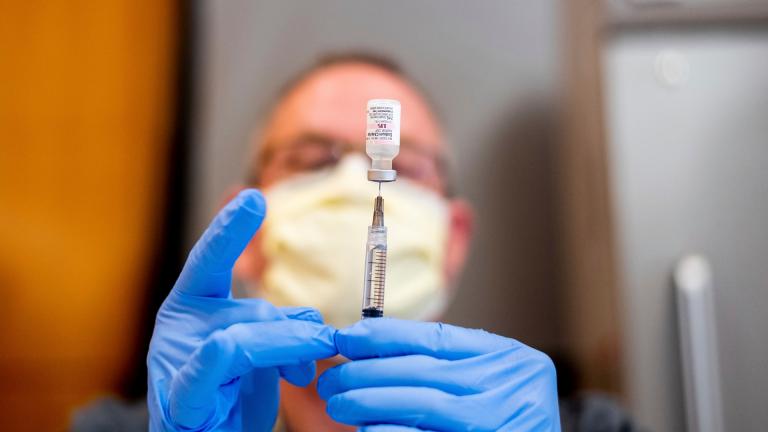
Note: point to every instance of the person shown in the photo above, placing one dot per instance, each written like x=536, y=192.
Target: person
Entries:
x=259, y=308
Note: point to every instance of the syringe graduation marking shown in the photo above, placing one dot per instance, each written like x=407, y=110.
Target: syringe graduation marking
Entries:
x=378, y=265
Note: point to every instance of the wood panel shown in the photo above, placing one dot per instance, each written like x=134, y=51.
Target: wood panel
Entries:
x=85, y=99
x=589, y=264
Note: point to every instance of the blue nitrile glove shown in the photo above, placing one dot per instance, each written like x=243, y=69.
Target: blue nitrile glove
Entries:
x=214, y=362
x=431, y=376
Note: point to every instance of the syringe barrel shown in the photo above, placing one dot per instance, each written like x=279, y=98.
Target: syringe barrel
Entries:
x=375, y=272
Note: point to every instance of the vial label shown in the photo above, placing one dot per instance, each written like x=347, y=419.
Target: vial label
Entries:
x=380, y=125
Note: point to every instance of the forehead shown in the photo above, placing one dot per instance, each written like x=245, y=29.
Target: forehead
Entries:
x=331, y=101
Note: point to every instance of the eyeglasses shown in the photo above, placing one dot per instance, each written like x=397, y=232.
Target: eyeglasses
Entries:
x=314, y=152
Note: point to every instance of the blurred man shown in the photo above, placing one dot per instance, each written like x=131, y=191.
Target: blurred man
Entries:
x=318, y=125
x=216, y=359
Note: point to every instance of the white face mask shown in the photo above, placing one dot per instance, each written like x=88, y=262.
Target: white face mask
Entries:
x=314, y=244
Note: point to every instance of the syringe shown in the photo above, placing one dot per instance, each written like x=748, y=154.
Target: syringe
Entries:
x=375, y=263
x=382, y=144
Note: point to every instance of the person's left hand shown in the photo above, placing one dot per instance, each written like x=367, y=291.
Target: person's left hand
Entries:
x=408, y=375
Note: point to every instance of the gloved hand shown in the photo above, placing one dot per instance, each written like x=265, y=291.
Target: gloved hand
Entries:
x=407, y=375
x=214, y=362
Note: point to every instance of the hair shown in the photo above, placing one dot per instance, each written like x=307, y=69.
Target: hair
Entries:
x=333, y=59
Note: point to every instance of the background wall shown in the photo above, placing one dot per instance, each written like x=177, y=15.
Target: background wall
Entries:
x=493, y=69
x=688, y=144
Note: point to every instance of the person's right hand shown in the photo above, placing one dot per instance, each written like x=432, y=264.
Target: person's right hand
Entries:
x=426, y=376
x=214, y=362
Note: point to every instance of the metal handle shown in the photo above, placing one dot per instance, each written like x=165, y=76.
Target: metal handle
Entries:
x=698, y=344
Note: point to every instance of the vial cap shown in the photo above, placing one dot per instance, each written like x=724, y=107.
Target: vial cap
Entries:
x=380, y=175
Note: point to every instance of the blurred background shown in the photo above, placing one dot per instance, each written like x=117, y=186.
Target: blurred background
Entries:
x=600, y=142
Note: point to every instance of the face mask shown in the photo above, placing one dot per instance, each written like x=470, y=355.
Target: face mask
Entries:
x=314, y=244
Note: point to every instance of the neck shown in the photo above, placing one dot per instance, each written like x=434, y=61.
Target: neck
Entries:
x=303, y=409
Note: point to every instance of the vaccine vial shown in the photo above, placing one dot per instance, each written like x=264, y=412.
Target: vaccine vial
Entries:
x=382, y=138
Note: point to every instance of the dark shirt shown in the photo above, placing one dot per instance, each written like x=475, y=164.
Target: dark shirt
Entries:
x=586, y=413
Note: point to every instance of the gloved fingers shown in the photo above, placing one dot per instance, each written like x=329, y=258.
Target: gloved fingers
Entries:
x=528, y=403
x=419, y=407
x=303, y=313
x=544, y=420
x=299, y=375
x=387, y=337
x=302, y=374
x=207, y=271
x=221, y=313
x=256, y=310
x=230, y=353
x=390, y=428
x=215, y=313
x=460, y=377
x=258, y=399
x=516, y=385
